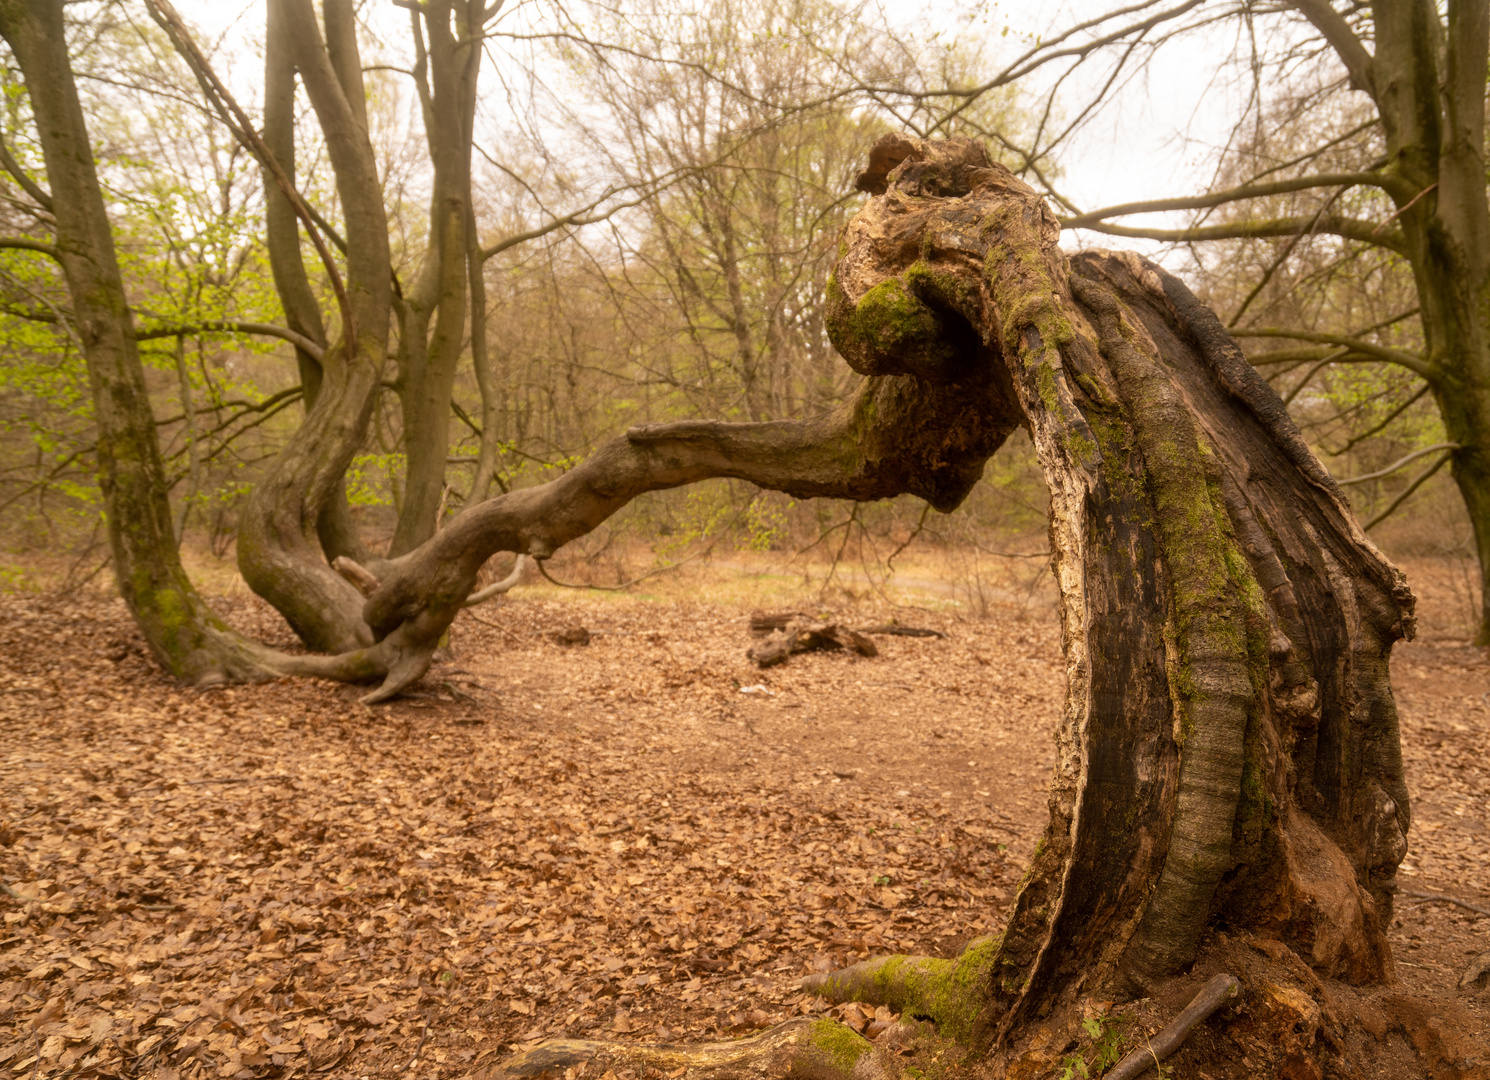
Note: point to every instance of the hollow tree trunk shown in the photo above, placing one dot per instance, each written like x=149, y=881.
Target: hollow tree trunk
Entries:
x=1229, y=747
x=1228, y=750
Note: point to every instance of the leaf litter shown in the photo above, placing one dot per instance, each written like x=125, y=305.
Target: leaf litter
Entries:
x=611, y=841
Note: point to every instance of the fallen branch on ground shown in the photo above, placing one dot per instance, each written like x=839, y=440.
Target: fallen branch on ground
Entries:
x=1441, y=898
x=805, y=636
x=1215, y=993
x=762, y=622
x=818, y=1048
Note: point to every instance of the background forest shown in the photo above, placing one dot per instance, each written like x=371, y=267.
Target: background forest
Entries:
x=658, y=196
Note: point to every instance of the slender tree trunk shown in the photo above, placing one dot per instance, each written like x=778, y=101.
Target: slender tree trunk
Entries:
x=183, y=634
x=1428, y=81
x=446, y=74
x=279, y=546
x=335, y=527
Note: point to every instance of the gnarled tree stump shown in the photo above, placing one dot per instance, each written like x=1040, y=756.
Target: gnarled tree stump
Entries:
x=1228, y=751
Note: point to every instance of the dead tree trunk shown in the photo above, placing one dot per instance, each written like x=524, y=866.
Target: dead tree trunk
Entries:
x=1228, y=750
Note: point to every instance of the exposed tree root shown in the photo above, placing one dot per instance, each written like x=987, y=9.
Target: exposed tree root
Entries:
x=805, y=1049
x=952, y=993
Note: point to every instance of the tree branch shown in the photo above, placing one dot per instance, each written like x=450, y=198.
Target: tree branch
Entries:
x=1411, y=361
x=238, y=123
x=300, y=341
x=1400, y=499
x=1349, y=228
x=1237, y=194
x=1333, y=27
x=29, y=186
x=1399, y=464
x=17, y=243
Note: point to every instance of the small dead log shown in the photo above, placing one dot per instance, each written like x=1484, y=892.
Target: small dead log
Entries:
x=822, y=1049
x=764, y=622
x=803, y=636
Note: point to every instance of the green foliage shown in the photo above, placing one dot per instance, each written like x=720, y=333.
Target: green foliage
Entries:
x=374, y=479
x=1103, y=1050
x=767, y=523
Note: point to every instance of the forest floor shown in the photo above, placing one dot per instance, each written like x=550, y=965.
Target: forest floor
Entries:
x=645, y=837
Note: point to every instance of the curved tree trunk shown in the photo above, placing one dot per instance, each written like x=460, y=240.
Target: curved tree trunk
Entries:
x=1228, y=750
x=279, y=545
x=336, y=529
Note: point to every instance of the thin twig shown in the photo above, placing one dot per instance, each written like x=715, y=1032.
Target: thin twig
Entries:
x=920, y=524
x=1405, y=209
x=495, y=626
x=417, y=1051
x=1441, y=898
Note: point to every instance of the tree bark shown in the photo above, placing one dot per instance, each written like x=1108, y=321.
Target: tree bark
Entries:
x=279, y=547
x=1428, y=82
x=335, y=528
x=1228, y=750
x=446, y=75
x=183, y=634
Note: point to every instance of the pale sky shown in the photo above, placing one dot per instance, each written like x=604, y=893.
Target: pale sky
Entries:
x=1154, y=139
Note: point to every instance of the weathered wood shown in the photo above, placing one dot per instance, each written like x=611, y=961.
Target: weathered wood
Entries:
x=799, y=635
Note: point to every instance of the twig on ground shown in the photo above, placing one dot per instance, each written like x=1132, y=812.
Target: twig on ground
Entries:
x=417, y=1051
x=495, y=626
x=1214, y=994
x=1441, y=898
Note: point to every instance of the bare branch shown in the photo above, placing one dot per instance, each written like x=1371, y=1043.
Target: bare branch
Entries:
x=1349, y=228
x=1237, y=194
x=300, y=341
x=507, y=584
x=1411, y=361
x=29, y=186
x=1332, y=25
x=1400, y=499
x=17, y=243
x=1409, y=459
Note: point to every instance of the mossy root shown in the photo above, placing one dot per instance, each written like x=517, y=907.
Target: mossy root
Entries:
x=952, y=993
x=804, y=1049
